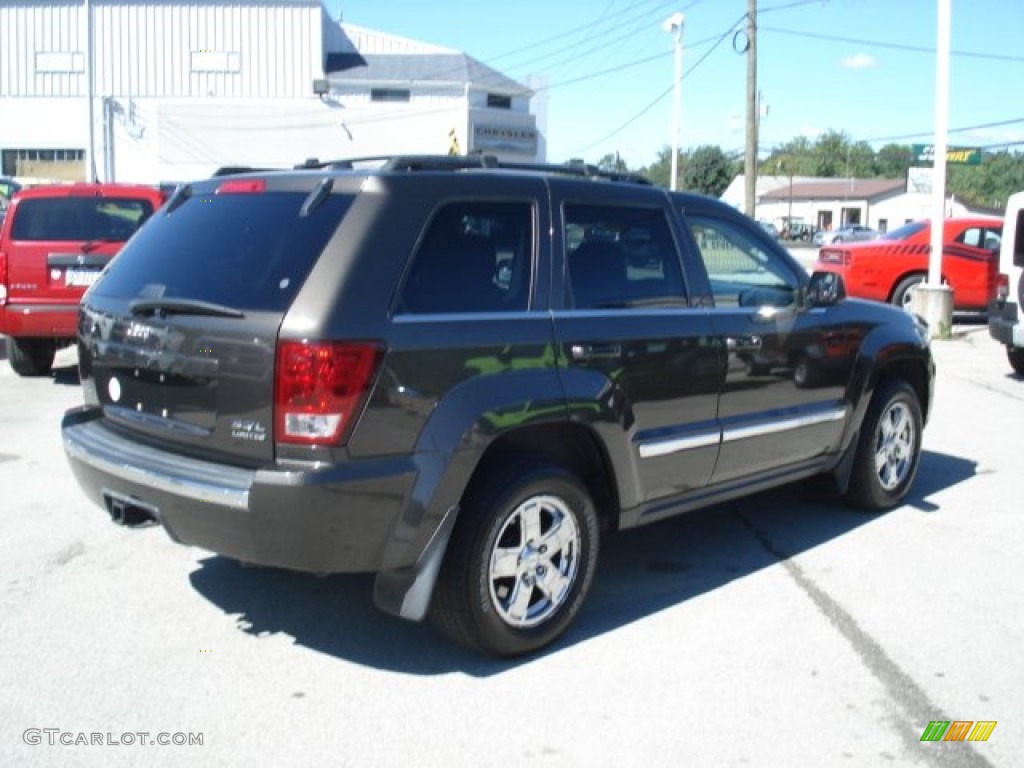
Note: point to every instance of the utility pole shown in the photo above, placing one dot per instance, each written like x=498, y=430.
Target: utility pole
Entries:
x=750, y=163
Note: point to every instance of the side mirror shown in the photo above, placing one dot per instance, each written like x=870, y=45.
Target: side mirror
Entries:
x=826, y=289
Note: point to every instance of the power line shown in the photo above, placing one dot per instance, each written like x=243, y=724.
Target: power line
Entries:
x=636, y=62
x=979, y=127
x=788, y=6
x=568, y=53
x=927, y=134
x=665, y=93
x=895, y=46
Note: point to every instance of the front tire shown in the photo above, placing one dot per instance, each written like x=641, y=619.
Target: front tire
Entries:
x=888, y=449
x=31, y=357
x=520, y=562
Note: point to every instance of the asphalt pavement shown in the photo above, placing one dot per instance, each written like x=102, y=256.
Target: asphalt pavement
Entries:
x=773, y=631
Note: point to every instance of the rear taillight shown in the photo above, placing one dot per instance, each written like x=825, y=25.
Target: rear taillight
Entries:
x=1002, y=287
x=3, y=278
x=320, y=388
x=835, y=256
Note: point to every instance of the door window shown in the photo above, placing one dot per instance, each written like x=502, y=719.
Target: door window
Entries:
x=744, y=272
x=621, y=257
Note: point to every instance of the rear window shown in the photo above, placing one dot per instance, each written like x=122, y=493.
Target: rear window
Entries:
x=247, y=251
x=79, y=218
x=907, y=230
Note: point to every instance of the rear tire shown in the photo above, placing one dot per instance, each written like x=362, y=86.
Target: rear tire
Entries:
x=520, y=562
x=31, y=357
x=888, y=449
x=1016, y=357
x=903, y=294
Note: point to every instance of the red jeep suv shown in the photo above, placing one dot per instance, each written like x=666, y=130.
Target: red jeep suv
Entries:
x=54, y=241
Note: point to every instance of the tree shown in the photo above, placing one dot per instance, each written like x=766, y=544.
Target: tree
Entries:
x=794, y=158
x=707, y=170
x=989, y=184
x=660, y=171
x=830, y=154
x=613, y=163
x=893, y=160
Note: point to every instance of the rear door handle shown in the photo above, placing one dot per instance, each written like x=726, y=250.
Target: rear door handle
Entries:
x=595, y=351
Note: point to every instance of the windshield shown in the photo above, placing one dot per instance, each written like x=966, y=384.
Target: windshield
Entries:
x=907, y=230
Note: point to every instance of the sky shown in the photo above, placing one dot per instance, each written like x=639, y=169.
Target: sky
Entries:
x=863, y=67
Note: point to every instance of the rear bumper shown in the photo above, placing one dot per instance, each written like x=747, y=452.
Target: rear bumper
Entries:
x=39, y=320
x=321, y=520
x=1003, y=325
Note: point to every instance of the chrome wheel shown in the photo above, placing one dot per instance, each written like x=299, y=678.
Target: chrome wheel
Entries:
x=895, y=445
x=535, y=561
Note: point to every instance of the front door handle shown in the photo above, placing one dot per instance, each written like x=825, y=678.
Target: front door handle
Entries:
x=595, y=351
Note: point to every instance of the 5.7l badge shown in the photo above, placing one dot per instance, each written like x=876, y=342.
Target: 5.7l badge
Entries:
x=251, y=431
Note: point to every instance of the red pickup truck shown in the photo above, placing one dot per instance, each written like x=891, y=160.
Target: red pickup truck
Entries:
x=54, y=241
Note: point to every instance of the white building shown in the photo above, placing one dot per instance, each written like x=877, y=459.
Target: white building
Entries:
x=826, y=203
x=179, y=88
x=403, y=96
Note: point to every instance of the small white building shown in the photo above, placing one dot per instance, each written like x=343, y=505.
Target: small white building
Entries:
x=826, y=203
x=166, y=90
x=396, y=95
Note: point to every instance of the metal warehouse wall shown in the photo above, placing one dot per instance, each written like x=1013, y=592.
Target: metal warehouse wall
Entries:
x=256, y=49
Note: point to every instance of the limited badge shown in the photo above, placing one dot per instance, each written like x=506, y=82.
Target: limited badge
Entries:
x=114, y=389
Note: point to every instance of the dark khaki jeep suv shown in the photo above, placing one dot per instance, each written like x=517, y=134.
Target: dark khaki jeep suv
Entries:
x=460, y=375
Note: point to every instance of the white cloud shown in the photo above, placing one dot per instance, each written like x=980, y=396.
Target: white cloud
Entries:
x=858, y=61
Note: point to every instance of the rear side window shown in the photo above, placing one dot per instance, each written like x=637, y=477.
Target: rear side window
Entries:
x=79, y=218
x=474, y=257
x=247, y=251
x=981, y=237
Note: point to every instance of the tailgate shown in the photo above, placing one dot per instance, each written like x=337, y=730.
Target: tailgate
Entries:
x=203, y=383
x=59, y=244
x=177, y=339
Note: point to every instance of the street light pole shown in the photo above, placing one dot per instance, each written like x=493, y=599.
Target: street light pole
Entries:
x=674, y=24
x=90, y=168
x=934, y=301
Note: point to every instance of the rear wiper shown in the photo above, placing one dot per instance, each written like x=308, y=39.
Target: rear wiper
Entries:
x=182, y=307
x=96, y=242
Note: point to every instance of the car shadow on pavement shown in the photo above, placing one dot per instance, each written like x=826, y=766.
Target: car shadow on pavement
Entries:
x=640, y=573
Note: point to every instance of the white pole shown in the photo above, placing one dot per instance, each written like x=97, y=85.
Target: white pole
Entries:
x=674, y=24
x=941, y=130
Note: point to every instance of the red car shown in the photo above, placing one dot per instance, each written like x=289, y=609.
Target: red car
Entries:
x=886, y=269
x=54, y=240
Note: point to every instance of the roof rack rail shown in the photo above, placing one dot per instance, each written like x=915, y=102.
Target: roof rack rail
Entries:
x=470, y=162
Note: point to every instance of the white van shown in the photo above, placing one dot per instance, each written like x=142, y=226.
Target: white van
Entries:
x=1006, y=313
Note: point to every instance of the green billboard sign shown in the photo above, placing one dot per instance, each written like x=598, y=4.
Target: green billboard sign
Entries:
x=924, y=154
